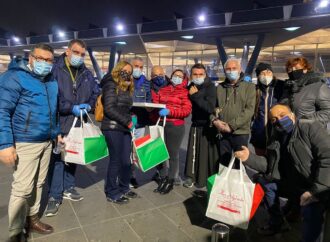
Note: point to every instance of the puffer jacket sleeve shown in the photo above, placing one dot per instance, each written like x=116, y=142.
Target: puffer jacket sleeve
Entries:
x=249, y=107
x=322, y=105
x=110, y=107
x=10, y=92
x=185, y=106
x=320, y=145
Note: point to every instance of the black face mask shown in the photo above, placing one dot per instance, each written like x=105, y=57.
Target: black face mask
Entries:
x=296, y=74
x=125, y=76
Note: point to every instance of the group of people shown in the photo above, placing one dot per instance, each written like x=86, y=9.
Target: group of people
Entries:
x=285, y=121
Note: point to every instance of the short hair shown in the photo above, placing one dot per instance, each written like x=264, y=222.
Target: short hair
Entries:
x=153, y=69
x=198, y=66
x=176, y=71
x=282, y=105
x=232, y=59
x=43, y=46
x=80, y=42
x=298, y=60
x=137, y=59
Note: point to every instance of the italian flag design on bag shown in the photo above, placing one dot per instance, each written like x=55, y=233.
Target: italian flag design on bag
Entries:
x=234, y=198
x=84, y=144
x=151, y=149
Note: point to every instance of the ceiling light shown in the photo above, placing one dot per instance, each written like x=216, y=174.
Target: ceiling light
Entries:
x=131, y=53
x=252, y=46
x=16, y=39
x=323, y=4
x=61, y=34
x=187, y=36
x=26, y=50
x=295, y=53
x=121, y=43
x=64, y=47
x=120, y=27
x=292, y=28
x=201, y=18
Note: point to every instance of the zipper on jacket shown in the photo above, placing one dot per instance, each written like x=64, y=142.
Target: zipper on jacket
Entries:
x=27, y=123
x=50, y=112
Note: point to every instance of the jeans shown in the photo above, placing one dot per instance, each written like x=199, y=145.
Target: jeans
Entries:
x=61, y=177
x=119, y=167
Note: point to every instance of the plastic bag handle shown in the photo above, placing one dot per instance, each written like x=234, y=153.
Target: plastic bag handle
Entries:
x=164, y=121
x=241, y=168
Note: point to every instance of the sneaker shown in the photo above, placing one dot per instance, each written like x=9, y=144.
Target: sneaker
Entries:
x=188, y=183
x=72, y=195
x=52, y=207
x=130, y=195
x=121, y=200
x=133, y=183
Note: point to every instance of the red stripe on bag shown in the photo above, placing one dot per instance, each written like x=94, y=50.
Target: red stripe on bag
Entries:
x=228, y=209
x=257, y=198
x=72, y=152
x=141, y=140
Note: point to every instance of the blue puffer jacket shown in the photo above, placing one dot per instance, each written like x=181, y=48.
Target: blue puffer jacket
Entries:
x=27, y=106
x=86, y=91
x=142, y=93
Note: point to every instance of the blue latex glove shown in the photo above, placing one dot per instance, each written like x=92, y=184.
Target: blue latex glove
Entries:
x=85, y=106
x=164, y=112
x=134, y=120
x=76, y=110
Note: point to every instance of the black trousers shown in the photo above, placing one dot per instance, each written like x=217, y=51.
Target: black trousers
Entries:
x=230, y=143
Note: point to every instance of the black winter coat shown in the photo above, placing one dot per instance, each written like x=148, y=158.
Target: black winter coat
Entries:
x=117, y=106
x=203, y=103
x=309, y=153
x=309, y=97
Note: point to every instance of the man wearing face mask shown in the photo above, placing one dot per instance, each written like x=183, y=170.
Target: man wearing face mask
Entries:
x=235, y=107
x=306, y=92
x=142, y=93
x=297, y=163
x=269, y=91
x=202, y=152
x=77, y=90
x=28, y=124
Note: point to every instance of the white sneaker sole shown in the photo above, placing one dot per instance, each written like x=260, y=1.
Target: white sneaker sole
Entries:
x=71, y=199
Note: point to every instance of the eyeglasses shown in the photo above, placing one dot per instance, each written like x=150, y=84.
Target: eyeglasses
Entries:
x=42, y=59
x=78, y=53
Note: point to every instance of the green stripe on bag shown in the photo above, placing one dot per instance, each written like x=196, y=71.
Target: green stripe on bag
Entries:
x=152, y=154
x=95, y=149
x=210, y=183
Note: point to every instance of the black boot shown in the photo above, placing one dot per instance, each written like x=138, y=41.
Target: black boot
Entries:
x=167, y=187
x=161, y=184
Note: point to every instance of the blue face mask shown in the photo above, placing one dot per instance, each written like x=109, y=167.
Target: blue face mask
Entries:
x=137, y=73
x=232, y=76
x=76, y=60
x=42, y=68
x=176, y=80
x=284, y=124
x=198, y=81
x=159, y=80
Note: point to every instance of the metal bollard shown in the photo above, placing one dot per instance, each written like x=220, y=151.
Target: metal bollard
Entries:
x=220, y=233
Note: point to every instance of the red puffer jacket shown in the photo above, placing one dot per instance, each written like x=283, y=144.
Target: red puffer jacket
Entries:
x=176, y=100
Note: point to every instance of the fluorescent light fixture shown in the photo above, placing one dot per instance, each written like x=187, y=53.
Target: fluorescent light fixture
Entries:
x=295, y=53
x=323, y=4
x=64, y=47
x=292, y=28
x=187, y=37
x=61, y=34
x=120, y=27
x=16, y=39
x=201, y=18
x=231, y=55
x=26, y=50
x=252, y=46
x=130, y=53
x=121, y=43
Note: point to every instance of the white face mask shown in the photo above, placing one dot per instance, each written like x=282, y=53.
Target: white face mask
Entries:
x=266, y=80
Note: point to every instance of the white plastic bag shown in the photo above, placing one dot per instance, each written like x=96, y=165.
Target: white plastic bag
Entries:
x=231, y=197
x=156, y=130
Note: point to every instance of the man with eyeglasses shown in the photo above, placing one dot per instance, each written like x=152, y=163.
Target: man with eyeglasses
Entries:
x=78, y=91
x=28, y=124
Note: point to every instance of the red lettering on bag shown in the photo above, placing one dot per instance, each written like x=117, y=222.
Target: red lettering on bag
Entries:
x=228, y=209
x=72, y=152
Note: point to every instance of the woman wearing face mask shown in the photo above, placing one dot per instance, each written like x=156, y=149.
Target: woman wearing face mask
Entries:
x=174, y=94
x=269, y=91
x=307, y=93
x=117, y=91
x=202, y=153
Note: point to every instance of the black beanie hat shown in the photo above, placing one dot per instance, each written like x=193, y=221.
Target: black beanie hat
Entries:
x=263, y=66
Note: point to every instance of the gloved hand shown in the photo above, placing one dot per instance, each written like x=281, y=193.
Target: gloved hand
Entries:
x=76, y=110
x=85, y=106
x=134, y=120
x=133, y=123
x=164, y=112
